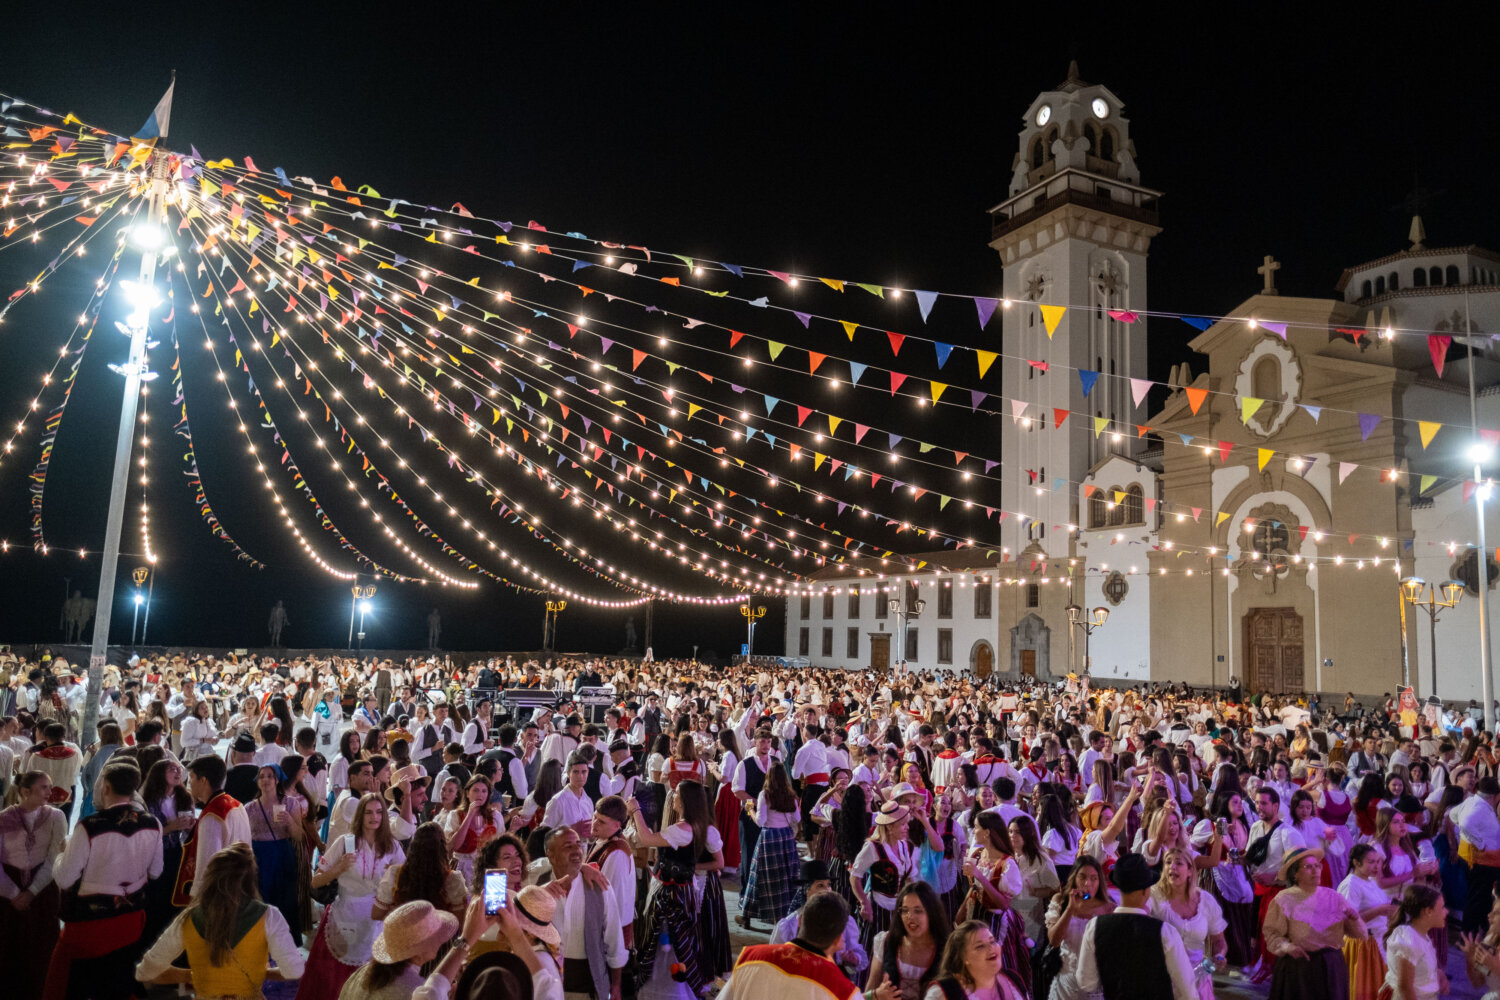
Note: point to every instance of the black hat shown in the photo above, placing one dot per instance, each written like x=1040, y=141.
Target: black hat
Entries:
x=1132, y=874
x=468, y=986
x=244, y=743
x=574, y=720
x=813, y=871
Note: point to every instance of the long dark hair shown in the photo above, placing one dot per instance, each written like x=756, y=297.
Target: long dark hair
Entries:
x=778, y=790
x=288, y=730
x=1030, y=844
x=424, y=873
x=937, y=924
x=1055, y=817
x=1371, y=789
x=155, y=789
x=344, y=741
x=548, y=783
x=696, y=812
x=851, y=823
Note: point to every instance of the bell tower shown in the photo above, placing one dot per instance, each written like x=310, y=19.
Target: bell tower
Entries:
x=1073, y=232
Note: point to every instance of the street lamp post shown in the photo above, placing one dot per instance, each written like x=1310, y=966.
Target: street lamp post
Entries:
x=1080, y=617
x=359, y=593
x=1424, y=595
x=549, y=623
x=138, y=576
x=906, y=615
x=751, y=616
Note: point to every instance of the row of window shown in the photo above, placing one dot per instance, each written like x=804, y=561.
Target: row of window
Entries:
x=1424, y=277
x=1106, y=512
x=851, y=644
x=983, y=601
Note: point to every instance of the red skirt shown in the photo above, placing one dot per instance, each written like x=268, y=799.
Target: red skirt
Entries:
x=727, y=819
x=325, y=975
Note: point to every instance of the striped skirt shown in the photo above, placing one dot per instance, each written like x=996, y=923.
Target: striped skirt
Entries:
x=879, y=923
x=1009, y=930
x=714, y=958
x=773, y=871
x=838, y=877
x=1366, y=968
x=670, y=909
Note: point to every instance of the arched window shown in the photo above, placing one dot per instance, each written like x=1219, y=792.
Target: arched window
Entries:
x=1038, y=152
x=1098, y=515
x=1365, y=290
x=1092, y=135
x=1265, y=383
x=1434, y=276
x=1419, y=278
x=1379, y=286
x=1116, y=515
x=1135, y=505
x=1395, y=281
x=1107, y=144
x=1452, y=274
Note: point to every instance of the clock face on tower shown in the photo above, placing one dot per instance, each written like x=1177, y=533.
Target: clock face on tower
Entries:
x=1044, y=114
x=1101, y=109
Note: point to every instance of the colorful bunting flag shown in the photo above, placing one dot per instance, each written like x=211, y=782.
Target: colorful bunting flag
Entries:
x=1195, y=398
x=1428, y=429
x=1051, y=316
x=1248, y=407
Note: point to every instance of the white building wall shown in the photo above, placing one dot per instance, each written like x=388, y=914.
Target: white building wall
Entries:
x=1449, y=519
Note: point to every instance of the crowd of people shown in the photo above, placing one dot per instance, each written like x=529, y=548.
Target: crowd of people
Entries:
x=912, y=836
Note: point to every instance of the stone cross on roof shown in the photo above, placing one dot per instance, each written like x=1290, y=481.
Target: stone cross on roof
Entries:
x=1268, y=270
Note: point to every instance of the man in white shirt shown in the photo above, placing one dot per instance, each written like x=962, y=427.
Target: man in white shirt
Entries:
x=588, y=920
x=1479, y=839
x=560, y=746
x=1112, y=959
x=109, y=858
x=221, y=822
x=361, y=781
x=572, y=807
x=811, y=768
x=850, y=955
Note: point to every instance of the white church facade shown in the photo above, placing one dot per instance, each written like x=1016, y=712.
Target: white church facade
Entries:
x=1264, y=541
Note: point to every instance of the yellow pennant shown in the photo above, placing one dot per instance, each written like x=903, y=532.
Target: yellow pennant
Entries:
x=835, y=284
x=1221, y=519
x=1099, y=424
x=1248, y=406
x=1265, y=456
x=986, y=358
x=1051, y=316
x=849, y=327
x=937, y=390
x=1428, y=429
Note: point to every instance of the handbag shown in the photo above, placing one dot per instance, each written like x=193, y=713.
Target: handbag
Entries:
x=1260, y=848
x=326, y=894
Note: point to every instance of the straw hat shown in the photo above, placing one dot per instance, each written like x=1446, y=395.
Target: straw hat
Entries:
x=534, y=909
x=1294, y=858
x=1089, y=816
x=904, y=788
x=410, y=929
x=891, y=812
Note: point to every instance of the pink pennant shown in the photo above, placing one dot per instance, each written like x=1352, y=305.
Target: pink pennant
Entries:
x=1017, y=408
x=1123, y=315
x=896, y=379
x=1139, y=387
x=1277, y=328
x=860, y=430
x=1196, y=512
x=1040, y=366
x=1344, y=469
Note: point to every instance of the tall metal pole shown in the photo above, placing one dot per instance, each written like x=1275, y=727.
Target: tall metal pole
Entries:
x=353, y=604
x=150, y=590
x=1432, y=614
x=1482, y=563
x=156, y=215
x=1405, y=655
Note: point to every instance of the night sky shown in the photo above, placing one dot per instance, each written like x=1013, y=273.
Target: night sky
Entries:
x=863, y=142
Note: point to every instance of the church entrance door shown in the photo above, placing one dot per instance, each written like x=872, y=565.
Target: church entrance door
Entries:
x=1028, y=662
x=880, y=651
x=984, y=661
x=1274, y=650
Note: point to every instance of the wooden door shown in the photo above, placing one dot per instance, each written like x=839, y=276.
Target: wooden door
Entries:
x=984, y=662
x=1274, y=650
x=1028, y=662
x=880, y=651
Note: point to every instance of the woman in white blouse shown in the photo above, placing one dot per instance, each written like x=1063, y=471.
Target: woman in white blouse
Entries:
x=883, y=863
x=357, y=861
x=199, y=734
x=32, y=835
x=1177, y=900
x=1366, y=958
x=1082, y=898
x=1038, y=876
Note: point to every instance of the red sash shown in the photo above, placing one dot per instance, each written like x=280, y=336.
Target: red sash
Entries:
x=799, y=962
x=182, y=890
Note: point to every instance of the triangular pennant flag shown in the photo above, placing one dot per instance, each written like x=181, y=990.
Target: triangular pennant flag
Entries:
x=860, y=430
x=1344, y=469
x=896, y=379
x=943, y=350
x=1263, y=456
x=986, y=309
x=636, y=358
x=1367, y=424
x=976, y=396
x=1302, y=532
x=1220, y=519
x=1123, y=315
x=1469, y=486
x=925, y=302
x=1225, y=447
x=734, y=338
x=1087, y=378
x=1199, y=323
x=1099, y=424
x=849, y=327
x=775, y=349
x=1139, y=387
x=1197, y=511
x=937, y=390
x=1428, y=429
x=855, y=371
x=1051, y=316
x=1427, y=482
x=1313, y=411
x=833, y=424
x=802, y=414
x=1195, y=398
x=1437, y=346
x=1277, y=328
x=1059, y=414
x=1017, y=409
x=897, y=339
x=1248, y=406
x=814, y=359
x=771, y=402
x=986, y=358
